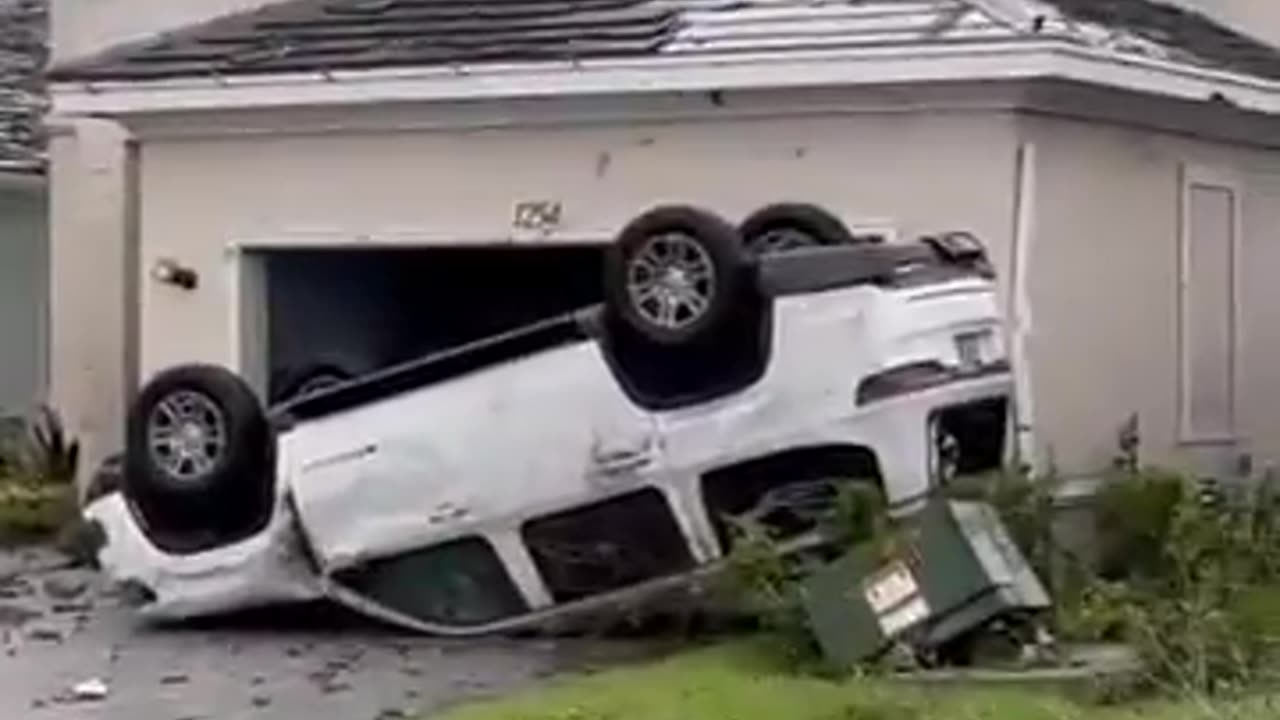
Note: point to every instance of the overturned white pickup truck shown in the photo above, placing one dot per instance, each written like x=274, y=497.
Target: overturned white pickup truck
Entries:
x=582, y=460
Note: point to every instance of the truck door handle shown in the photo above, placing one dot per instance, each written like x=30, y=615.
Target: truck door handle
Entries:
x=623, y=460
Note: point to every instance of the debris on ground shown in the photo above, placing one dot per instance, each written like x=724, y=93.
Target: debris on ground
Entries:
x=64, y=588
x=44, y=634
x=16, y=615
x=91, y=690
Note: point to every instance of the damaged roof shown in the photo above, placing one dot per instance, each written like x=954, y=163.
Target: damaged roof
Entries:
x=327, y=35
x=23, y=52
x=309, y=35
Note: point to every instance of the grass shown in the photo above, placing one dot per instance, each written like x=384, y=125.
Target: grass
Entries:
x=737, y=681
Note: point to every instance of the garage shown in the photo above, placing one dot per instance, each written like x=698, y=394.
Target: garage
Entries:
x=332, y=314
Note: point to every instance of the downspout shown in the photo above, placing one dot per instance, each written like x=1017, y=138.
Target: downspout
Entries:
x=132, y=267
x=1018, y=309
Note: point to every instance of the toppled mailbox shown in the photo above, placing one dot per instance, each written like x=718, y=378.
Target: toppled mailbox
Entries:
x=957, y=572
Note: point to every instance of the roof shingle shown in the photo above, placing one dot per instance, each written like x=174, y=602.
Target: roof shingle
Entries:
x=323, y=35
x=23, y=53
x=309, y=35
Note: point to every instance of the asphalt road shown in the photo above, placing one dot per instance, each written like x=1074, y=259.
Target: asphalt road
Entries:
x=60, y=628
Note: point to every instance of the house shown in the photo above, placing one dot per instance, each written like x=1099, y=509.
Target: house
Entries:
x=1120, y=158
x=23, y=207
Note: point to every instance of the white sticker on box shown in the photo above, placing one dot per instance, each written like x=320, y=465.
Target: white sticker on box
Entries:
x=895, y=598
x=904, y=617
x=890, y=587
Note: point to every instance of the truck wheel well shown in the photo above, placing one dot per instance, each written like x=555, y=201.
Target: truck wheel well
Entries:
x=741, y=488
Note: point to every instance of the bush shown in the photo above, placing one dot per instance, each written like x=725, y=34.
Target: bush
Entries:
x=38, y=466
x=47, y=456
x=763, y=580
x=1190, y=582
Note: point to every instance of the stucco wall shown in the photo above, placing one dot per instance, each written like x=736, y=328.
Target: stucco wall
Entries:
x=926, y=172
x=1104, y=287
x=23, y=295
x=91, y=270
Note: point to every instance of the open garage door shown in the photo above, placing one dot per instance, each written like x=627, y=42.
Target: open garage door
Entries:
x=337, y=313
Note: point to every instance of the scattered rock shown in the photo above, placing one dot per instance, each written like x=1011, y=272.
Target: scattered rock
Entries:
x=257, y=680
x=64, y=588
x=175, y=679
x=39, y=703
x=411, y=671
x=292, y=652
x=15, y=592
x=13, y=615
x=44, y=634
x=66, y=608
x=91, y=690
x=335, y=687
x=260, y=701
x=391, y=714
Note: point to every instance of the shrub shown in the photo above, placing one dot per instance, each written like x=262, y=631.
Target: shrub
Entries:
x=1192, y=584
x=764, y=580
x=38, y=466
x=47, y=455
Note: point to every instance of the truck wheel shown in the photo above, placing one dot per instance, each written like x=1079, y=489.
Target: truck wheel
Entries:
x=788, y=226
x=675, y=274
x=198, y=456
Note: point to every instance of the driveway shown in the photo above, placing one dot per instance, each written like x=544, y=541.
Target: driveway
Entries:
x=61, y=628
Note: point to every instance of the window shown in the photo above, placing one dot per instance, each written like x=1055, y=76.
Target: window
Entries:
x=1207, y=307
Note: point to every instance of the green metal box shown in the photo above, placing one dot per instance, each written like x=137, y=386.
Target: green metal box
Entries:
x=955, y=570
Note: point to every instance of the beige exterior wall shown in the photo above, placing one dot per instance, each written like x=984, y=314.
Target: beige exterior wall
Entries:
x=91, y=270
x=1101, y=256
x=82, y=27
x=1103, y=278
x=924, y=172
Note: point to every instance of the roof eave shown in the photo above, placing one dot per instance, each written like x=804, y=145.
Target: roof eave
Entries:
x=1002, y=61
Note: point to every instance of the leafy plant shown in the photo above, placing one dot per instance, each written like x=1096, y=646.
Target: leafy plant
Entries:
x=1197, y=596
x=38, y=466
x=765, y=579
x=48, y=455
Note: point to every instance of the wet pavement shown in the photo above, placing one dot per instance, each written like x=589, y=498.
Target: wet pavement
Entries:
x=71, y=650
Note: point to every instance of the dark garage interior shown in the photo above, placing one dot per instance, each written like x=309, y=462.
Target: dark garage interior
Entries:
x=352, y=311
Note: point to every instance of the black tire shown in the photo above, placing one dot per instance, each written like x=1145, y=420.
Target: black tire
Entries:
x=695, y=240
x=784, y=226
x=230, y=486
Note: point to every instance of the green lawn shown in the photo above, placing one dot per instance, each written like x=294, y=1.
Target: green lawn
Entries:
x=737, y=682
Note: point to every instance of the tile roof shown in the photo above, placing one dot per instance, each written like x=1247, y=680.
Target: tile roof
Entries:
x=319, y=35
x=23, y=52
x=1173, y=32
x=303, y=35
